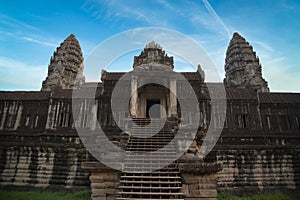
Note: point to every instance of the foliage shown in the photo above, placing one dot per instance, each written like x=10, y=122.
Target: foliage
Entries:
x=267, y=196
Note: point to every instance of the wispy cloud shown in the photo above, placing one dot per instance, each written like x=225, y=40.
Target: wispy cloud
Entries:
x=109, y=9
x=13, y=22
x=216, y=16
x=170, y=7
x=193, y=16
x=281, y=78
x=20, y=75
x=275, y=61
x=289, y=6
x=16, y=29
x=264, y=46
x=276, y=70
x=21, y=36
x=39, y=42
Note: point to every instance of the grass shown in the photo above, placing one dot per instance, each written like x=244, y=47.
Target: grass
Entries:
x=43, y=195
x=267, y=196
x=85, y=195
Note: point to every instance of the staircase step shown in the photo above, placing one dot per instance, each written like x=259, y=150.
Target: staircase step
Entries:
x=154, y=188
x=149, y=154
x=152, y=193
x=153, y=173
x=138, y=182
x=151, y=182
x=150, y=176
x=149, y=150
x=150, y=159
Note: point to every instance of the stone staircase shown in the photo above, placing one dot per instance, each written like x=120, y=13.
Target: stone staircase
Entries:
x=148, y=173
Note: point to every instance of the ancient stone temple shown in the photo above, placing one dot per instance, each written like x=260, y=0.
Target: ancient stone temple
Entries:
x=258, y=149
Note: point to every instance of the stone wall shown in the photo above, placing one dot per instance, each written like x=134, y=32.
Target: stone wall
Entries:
x=39, y=147
x=258, y=162
x=42, y=160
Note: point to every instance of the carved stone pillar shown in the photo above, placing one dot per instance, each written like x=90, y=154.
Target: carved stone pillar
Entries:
x=173, y=98
x=199, y=180
x=104, y=181
x=94, y=115
x=134, y=97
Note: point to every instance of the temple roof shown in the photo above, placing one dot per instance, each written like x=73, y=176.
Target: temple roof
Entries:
x=24, y=95
x=231, y=94
x=278, y=97
x=153, y=57
x=114, y=76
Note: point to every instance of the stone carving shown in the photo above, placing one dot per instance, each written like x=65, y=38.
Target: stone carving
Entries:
x=153, y=58
x=153, y=45
x=201, y=72
x=242, y=66
x=65, y=70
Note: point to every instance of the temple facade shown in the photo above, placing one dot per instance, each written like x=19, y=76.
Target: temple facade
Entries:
x=258, y=149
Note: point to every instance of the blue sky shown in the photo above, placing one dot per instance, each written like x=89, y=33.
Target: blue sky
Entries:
x=31, y=30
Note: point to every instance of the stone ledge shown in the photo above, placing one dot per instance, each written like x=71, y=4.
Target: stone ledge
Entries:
x=99, y=167
x=199, y=168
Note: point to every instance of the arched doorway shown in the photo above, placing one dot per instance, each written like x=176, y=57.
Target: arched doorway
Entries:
x=153, y=100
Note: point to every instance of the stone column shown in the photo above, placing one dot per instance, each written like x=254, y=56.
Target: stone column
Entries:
x=198, y=179
x=134, y=97
x=173, y=98
x=104, y=181
x=94, y=115
x=19, y=115
x=50, y=115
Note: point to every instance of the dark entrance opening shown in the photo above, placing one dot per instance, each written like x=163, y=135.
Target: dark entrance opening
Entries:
x=155, y=108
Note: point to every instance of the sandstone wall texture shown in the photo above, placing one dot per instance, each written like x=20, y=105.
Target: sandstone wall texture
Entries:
x=42, y=160
x=37, y=153
x=265, y=163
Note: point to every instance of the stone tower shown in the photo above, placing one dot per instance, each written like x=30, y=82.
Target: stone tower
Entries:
x=153, y=57
x=242, y=66
x=65, y=70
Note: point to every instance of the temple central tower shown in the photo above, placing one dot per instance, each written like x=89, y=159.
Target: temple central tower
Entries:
x=153, y=66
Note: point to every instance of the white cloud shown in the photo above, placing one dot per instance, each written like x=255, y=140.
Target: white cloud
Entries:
x=21, y=76
x=280, y=76
x=281, y=79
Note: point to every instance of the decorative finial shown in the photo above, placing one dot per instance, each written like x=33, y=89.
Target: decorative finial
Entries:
x=153, y=45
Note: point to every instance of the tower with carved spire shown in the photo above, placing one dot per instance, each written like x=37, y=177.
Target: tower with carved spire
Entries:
x=153, y=57
x=242, y=66
x=65, y=70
